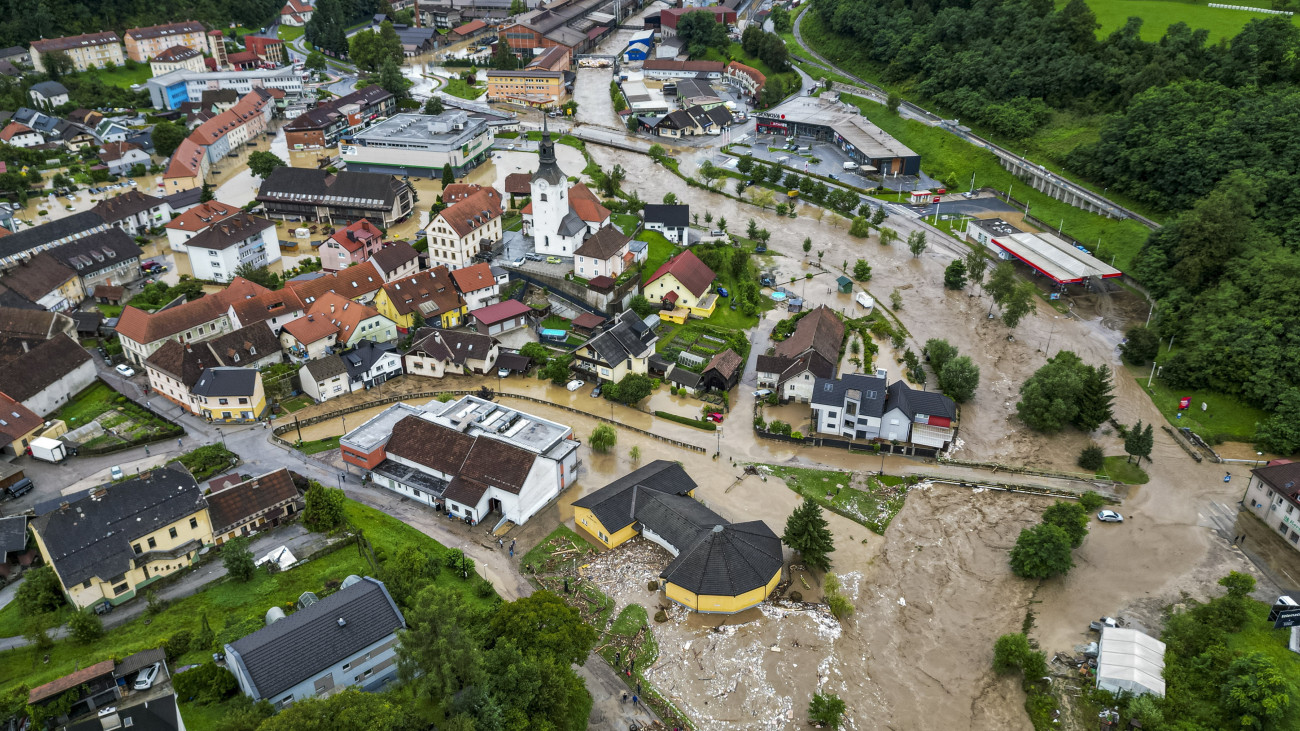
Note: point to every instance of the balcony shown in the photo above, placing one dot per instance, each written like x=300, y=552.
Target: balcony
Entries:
x=170, y=554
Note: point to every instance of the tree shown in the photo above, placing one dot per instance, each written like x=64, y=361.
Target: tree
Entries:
x=1069, y=517
x=536, y=352
x=408, y=572
x=1018, y=303
x=893, y=101
x=324, y=507
x=350, y=709
x=204, y=638
x=262, y=163
x=860, y=227
x=826, y=710
x=745, y=164
x=447, y=177
x=238, y=559
x=888, y=236
x=439, y=654
x=780, y=18
x=1280, y=434
x=634, y=454
x=1255, y=692
x=1140, y=345
x=504, y=59
x=434, y=105
x=1092, y=458
x=630, y=389
x=808, y=533
x=557, y=370
x=751, y=229
x=207, y=193
x=518, y=7
x=315, y=62
x=1041, y=552
x=699, y=31
x=258, y=274
x=603, y=438
x=722, y=223
x=86, y=627
x=954, y=275
x=1001, y=283
x=391, y=79
x=976, y=265
x=167, y=136
x=878, y=216
x=959, y=378
x=1133, y=441
x=542, y=624
x=641, y=306
x=1050, y=398
x=939, y=352
x=40, y=592
x=896, y=299
x=1095, y=399
x=916, y=243
x=807, y=244
x=1091, y=501
x=861, y=270
x=205, y=684
x=670, y=199
x=1009, y=652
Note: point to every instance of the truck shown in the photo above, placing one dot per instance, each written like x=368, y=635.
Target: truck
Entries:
x=850, y=166
x=50, y=450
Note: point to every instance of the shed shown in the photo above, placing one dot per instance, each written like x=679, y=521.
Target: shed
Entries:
x=109, y=294
x=587, y=322
x=1130, y=661
x=514, y=362
x=501, y=317
x=845, y=284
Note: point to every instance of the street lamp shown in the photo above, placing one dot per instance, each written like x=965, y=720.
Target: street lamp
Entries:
x=1048, y=351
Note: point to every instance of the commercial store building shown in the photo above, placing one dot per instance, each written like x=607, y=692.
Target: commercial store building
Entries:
x=826, y=119
x=419, y=145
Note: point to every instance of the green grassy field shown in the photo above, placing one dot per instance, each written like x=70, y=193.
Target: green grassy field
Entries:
x=123, y=77
x=1157, y=15
x=1122, y=470
x=872, y=508
x=626, y=223
x=85, y=406
x=660, y=251
x=297, y=402
x=289, y=32
x=1226, y=417
x=458, y=87
x=319, y=445
x=737, y=52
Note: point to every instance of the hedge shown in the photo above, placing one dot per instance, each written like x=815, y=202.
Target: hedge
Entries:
x=697, y=423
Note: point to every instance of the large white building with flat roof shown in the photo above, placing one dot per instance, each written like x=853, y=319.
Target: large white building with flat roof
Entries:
x=419, y=145
x=172, y=89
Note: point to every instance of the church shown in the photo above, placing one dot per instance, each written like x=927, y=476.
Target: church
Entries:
x=561, y=215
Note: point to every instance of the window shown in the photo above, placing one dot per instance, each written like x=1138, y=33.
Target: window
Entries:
x=223, y=401
x=194, y=522
x=137, y=549
x=171, y=532
x=85, y=584
x=152, y=543
x=1281, y=527
x=243, y=400
x=120, y=589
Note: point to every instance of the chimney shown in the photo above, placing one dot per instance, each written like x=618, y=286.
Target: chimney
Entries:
x=331, y=307
x=63, y=506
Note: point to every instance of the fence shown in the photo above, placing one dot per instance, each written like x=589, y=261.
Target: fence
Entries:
x=1253, y=10
x=1020, y=470
x=902, y=450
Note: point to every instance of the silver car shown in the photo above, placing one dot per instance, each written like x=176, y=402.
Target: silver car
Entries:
x=144, y=680
x=1110, y=516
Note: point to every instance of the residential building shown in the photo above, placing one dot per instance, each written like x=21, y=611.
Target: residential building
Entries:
x=327, y=123
x=309, y=337
x=669, y=69
x=419, y=145
x=353, y=322
x=256, y=504
x=683, y=282
x=748, y=80
x=134, y=212
x=142, y=712
x=926, y=418
x=371, y=364
x=825, y=119
x=324, y=378
x=88, y=51
x=555, y=58
x=429, y=294
x=697, y=119
x=349, y=638
x=19, y=425
x=560, y=215
x=111, y=542
x=177, y=58
x=1274, y=495
x=359, y=283
x=477, y=284
x=48, y=374
x=241, y=123
x=337, y=198
x=46, y=281
x=605, y=254
x=242, y=239
x=20, y=135
x=229, y=394
x=195, y=221
x=459, y=233
x=107, y=257
x=267, y=50
x=435, y=352
x=141, y=333
x=673, y=221
x=455, y=455
x=48, y=94
x=16, y=55
x=395, y=260
x=351, y=245
x=175, y=88
x=23, y=328
x=295, y=13
x=818, y=335
x=624, y=346
x=175, y=369
x=143, y=44
x=717, y=567
x=670, y=17
x=530, y=87
x=188, y=168
x=120, y=157
x=501, y=317
x=851, y=406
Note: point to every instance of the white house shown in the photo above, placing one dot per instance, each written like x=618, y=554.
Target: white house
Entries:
x=461, y=231
x=20, y=135
x=478, y=285
x=195, y=221
x=120, y=157
x=670, y=220
x=371, y=364
x=1274, y=492
x=48, y=94
x=395, y=260
x=436, y=352
x=241, y=239
x=110, y=131
x=851, y=406
x=604, y=254
x=134, y=211
x=926, y=418
x=324, y=378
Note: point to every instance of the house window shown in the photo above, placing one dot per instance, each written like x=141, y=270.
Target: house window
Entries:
x=171, y=532
x=223, y=401
x=85, y=584
x=120, y=589
x=194, y=522
x=1281, y=527
x=137, y=549
x=243, y=400
x=152, y=543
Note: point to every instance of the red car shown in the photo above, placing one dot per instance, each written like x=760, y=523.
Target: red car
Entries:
x=715, y=417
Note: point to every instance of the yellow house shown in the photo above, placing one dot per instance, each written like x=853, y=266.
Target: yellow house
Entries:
x=622, y=347
x=120, y=538
x=683, y=282
x=718, y=566
x=19, y=425
x=229, y=394
x=430, y=293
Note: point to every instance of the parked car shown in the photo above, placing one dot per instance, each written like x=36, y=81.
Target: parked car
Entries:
x=503, y=372
x=575, y=384
x=595, y=392
x=766, y=281
x=1103, y=622
x=715, y=417
x=554, y=260
x=717, y=232
x=125, y=370
x=144, y=680
x=534, y=257
x=103, y=607
x=19, y=488
x=1110, y=516
x=518, y=262
x=723, y=291
x=763, y=393
x=116, y=472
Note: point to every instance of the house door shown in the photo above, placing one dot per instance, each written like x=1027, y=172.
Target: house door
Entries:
x=495, y=505
x=381, y=378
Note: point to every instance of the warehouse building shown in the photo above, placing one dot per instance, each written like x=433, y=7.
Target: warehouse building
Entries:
x=419, y=145
x=825, y=119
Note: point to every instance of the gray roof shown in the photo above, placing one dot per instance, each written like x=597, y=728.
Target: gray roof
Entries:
x=364, y=357
x=603, y=244
x=913, y=402
x=92, y=537
x=625, y=337
x=327, y=367
x=226, y=381
x=313, y=639
x=156, y=714
x=728, y=560
x=96, y=252
x=13, y=535
x=319, y=187
x=675, y=215
x=572, y=224
x=682, y=377
x=613, y=504
x=867, y=391
x=677, y=519
x=139, y=661
x=230, y=231
x=46, y=233
x=49, y=89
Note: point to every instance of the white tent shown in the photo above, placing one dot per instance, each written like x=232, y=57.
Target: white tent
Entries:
x=1132, y=661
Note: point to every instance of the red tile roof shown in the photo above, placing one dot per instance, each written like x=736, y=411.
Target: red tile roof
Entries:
x=469, y=27
x=142, y=327
x=586, y=204
x=352, y=282
x=500, y=312
x=473, y=212
x=310, y=328
x=687, y=268
x=16, y=420
x=201, y=216
x=342, y=312
x=430, y=292
x=67, y=682
x=187, y=160
x=459, y=191
x=357, y=235
x=13, y=129
x=473, y=278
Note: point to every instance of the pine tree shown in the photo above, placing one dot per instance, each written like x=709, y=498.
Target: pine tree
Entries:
x=1133, y=441
x=447, y=177
x=807, y=532
x=1096, y=399
x=1146, y=443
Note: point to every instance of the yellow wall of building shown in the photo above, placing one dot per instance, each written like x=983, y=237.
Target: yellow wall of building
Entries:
x=721, y=604
x=589, y=524
x=660, y=287
x=214, y=409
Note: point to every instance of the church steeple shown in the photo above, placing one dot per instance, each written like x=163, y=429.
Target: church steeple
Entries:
x=547, y=169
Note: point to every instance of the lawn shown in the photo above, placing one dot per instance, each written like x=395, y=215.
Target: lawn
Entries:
x=85, y=406
x=737, y=53
x=1226, y=417
x=109, y=310
x=123, y=77
x=555, y=322
x=622, y=633
x=317, y=446
x=301, y=401
x=288, y=33
x=627, y=223
x=873, y=508
x=1123, y=470
x=660, y=251
x=1258, y=635
x=1157, y=15
x=458, y=87
x=233, y=609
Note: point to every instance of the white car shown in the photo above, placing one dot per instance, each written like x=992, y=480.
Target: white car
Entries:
x=1110, y=516
x=116, y=472
x=575, y=384
x=503, y=373
x=144, y=680
x=125, y=370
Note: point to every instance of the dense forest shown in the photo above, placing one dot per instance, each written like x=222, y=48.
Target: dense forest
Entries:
x=1203, y=131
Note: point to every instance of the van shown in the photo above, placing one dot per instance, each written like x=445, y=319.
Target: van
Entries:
x=19, y=488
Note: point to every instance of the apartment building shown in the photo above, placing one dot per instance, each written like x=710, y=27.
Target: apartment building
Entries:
x=143, y=44
x=87, y=51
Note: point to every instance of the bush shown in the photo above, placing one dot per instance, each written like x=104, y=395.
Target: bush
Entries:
x=178, y=644
x=39, y=593
x=796, y=596
x=207, y=683
x=86, y=627
x=661, y=616
x=652, y=586
x=1092, y=458
x=484, y=589
x=1009, y=652
x=697, y=423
